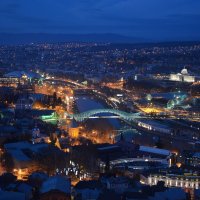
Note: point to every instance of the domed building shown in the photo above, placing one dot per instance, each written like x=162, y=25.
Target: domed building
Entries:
x=184, y=71
x=184, y=76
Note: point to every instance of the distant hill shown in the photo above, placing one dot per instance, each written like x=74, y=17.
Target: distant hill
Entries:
x=27, y=38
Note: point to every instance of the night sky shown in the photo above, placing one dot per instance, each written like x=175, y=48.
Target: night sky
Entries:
x=162, y=19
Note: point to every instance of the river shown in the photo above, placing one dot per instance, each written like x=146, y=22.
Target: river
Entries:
x=86, y=103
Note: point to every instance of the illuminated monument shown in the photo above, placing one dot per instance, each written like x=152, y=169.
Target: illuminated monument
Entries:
x=184, y=76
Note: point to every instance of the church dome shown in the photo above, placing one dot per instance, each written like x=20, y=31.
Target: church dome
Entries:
x=184, y=71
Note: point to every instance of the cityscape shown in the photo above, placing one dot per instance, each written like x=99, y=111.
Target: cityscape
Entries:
x=98, y=119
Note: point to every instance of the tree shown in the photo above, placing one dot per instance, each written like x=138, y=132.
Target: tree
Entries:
x=54, y=99
x=159, y=144
x=53, y=138
x=59, y=101
x=7, y=179
x=8, y=162
x=107, y=167
x=50, y=159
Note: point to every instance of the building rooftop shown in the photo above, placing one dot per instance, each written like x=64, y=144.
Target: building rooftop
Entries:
x=36, y=112
x=56, y=183
x=88, y=185
x=5, y=195
x=16, y=149
x=154, y=123
x=117, y=180
x=197, y=155
x=108, y=147
x=17, y=145
x=19, y=155
x=155, y=150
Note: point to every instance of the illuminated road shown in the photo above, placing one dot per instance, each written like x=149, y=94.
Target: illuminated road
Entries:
x=111, y=101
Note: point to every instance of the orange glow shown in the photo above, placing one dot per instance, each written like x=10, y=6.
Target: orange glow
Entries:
x=151, y=110
x=178, y=165
x=38, y=105
x=74, y=132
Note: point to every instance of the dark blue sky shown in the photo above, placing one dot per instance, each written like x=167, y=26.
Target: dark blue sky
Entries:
x=162, y=19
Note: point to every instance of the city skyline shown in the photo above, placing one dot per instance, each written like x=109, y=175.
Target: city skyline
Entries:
x=99, y=99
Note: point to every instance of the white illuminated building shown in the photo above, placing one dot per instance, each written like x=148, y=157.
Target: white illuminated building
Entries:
x=184, y=76
x=172, y=180
x=154, y=126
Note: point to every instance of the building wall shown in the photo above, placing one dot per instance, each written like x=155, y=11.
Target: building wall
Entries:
x=190, y=79
x=182, y=78
x=151, y=127
x=175, y=77
x=176, y=181
x=74, y=132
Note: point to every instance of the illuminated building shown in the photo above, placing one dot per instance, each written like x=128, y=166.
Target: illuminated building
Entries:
x=5, y=81
x=24, y=76
x=176, y=101
x=46, y=115
x=173, y=180
x=184, y=76
x=168, y=100
x=154, y=126
x=116, y=85
x=73, y=129
x=38, y=105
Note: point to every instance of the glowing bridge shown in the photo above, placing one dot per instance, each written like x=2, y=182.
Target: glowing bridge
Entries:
x=80, y=117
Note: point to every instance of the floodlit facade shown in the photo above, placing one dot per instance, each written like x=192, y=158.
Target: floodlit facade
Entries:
x=154, y=126
x=184, y=76
x=172, y=180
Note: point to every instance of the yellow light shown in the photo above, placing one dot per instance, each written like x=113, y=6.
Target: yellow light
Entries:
x=15, y=170
x=178, y=165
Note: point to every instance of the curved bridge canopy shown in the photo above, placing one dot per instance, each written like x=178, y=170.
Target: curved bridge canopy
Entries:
x=80, y=117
